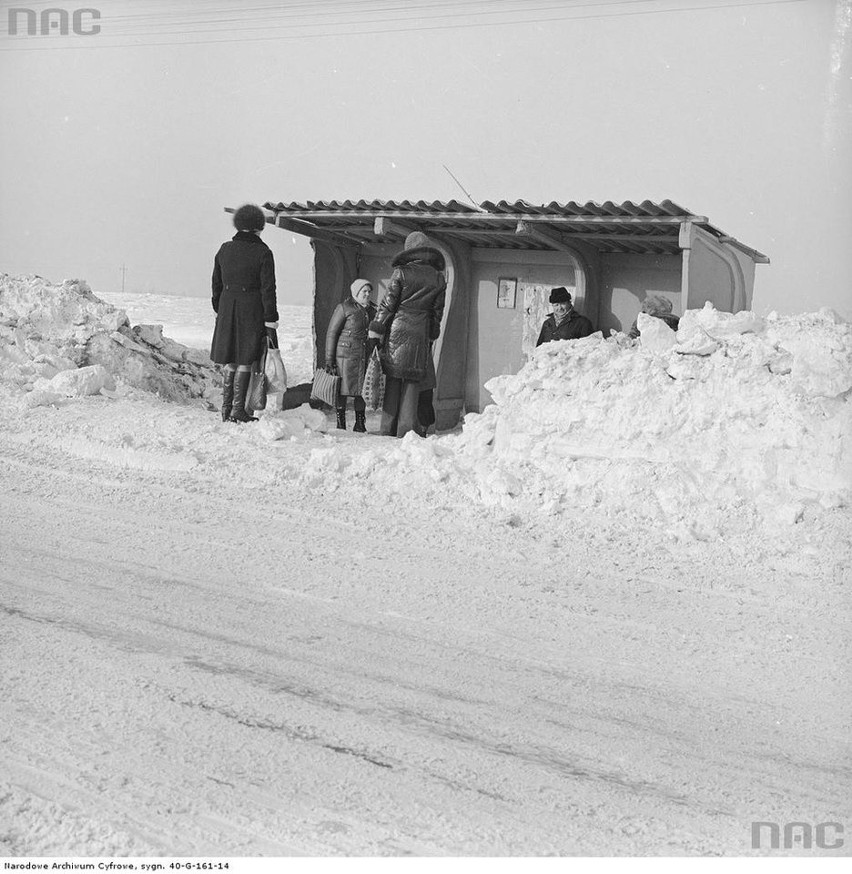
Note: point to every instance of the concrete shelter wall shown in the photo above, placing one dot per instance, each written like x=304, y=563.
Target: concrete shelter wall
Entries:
x=747, y=266
x=451, y=351
x=717, y=272
x=710, y=278
x=334, y=270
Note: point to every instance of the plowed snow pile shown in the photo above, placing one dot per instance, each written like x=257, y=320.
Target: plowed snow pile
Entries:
x=734, y=420
x=60, y=340
x=733, y=410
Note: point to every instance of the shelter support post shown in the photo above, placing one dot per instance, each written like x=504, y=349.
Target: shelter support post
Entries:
x=685, y=243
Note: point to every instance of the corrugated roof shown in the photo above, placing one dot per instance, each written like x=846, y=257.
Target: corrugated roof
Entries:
x=626, y=209
x=372, y=206
x=627, y=227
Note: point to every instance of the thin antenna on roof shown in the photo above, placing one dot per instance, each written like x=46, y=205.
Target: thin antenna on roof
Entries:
x=467, y=193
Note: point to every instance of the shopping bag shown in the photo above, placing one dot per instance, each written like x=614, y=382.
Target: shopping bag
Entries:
x=256, y=394
x=373, y=390
x=326, y=387
x=276, y=373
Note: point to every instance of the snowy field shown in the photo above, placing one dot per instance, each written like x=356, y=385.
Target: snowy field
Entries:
x=609, y=616
x=190, y=321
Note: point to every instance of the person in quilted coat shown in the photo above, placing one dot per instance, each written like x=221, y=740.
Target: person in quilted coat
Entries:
x=346, y=349
x=245, y=305
x=407, y=322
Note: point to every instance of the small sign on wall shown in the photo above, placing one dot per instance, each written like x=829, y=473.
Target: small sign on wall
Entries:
x=507, y=291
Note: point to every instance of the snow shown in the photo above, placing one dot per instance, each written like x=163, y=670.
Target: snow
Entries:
x=190, y=320
x=609, y=614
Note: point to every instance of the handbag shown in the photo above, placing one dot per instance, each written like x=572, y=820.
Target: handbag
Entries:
x=326, y=387
x=256, y=393
x=373, y=390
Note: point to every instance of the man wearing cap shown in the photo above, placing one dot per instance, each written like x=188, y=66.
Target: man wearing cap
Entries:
x=564, y=323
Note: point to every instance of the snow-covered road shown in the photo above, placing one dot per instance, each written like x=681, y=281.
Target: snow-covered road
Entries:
x=203, y=653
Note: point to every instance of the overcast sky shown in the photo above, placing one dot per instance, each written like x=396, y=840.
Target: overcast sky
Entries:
x=122, y=148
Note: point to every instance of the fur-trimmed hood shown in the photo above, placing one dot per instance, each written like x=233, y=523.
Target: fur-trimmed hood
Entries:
x=426, y=254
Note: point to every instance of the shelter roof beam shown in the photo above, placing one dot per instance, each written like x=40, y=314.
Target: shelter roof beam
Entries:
x=306, y=229
x=543, y=234
x=384, y=226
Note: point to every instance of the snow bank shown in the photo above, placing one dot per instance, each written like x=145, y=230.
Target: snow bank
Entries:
x=60, y=340
x=732, y=419
x=732, y=409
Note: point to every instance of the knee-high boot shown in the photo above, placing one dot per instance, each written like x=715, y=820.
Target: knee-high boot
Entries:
x=238, y=409
x=227, y=393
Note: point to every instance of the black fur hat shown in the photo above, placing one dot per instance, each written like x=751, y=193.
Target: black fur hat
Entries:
x=249, y=218
x=560, y=294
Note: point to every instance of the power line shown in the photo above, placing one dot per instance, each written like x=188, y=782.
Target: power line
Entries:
x=451, y=26
x=283, y=13
x=268, y=23
x=346, y=7
x=266, y=26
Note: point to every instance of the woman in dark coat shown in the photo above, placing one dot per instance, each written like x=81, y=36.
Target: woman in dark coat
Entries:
x=346, y=349
x=408, y=320
x=245, y=306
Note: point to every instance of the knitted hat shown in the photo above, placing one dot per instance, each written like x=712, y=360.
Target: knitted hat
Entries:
x=249, y=218
x=417, y=240
x=560, y=295
x=358, y=284
x=656, y=305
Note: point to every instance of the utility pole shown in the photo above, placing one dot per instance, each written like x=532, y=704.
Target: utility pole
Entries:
x=123, y=273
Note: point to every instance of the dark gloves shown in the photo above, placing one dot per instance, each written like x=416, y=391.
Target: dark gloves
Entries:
x=372, y=343
x=272, y=337
x=332, y=369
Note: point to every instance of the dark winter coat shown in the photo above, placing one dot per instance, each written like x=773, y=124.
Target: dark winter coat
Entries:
x=572, y=327
x=346, y=343
x=243, y=298
x=409, y=316
x=668, y=318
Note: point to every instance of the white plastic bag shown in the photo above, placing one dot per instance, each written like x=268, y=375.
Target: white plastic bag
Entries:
x=276, y=373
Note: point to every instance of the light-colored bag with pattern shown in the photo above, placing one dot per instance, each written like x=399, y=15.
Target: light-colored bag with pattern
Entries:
x=373, y=390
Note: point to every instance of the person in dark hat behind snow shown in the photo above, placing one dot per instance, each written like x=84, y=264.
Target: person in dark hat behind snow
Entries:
x=564, y=323
x=245, y=306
